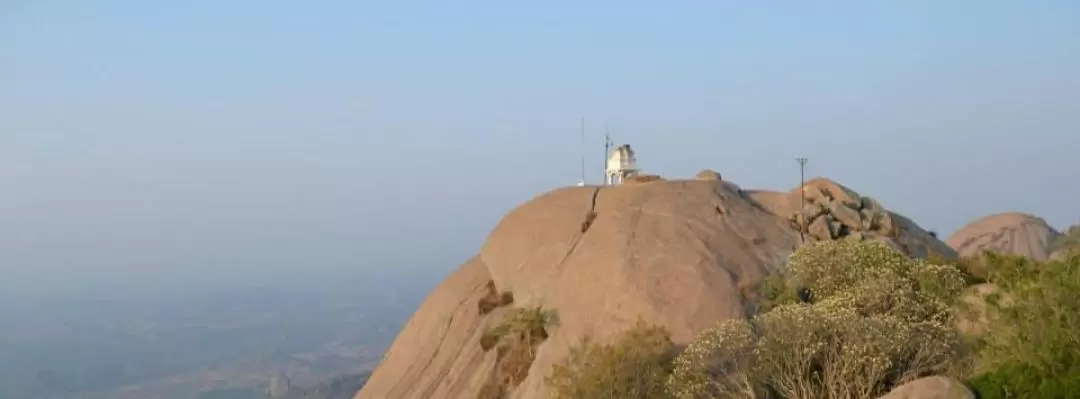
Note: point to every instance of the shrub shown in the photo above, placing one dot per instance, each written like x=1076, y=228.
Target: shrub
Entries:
x=874, y=318
x=1030, y=348
x=515, y=339
x=1018, y=381
x=636, y=366
x=972, y=268
x=493, y=299
x=774, y=291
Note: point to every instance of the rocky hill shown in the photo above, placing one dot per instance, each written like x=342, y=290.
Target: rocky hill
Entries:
x=683, y=254
x=1010, y=233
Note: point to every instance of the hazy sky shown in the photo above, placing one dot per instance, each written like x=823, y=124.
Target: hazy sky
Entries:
x=232, y=137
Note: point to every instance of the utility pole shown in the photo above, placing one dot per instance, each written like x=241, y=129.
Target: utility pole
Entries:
x=802, y=198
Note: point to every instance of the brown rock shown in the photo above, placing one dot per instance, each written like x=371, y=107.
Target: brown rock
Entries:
x=819, y=228
x=708, y=174
x=884, y=223
x=867, y=217
x=916, y=241
x=936, y=387
x=846, y=215
x=834, y=227
x=816, y=188
x=870, y=204
x=443, y=335
x=855, y=236
x=637, y=179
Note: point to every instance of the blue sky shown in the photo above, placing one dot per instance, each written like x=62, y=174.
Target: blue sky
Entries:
x=247, y=136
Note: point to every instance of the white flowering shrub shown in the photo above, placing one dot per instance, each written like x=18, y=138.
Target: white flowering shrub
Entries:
x=874, y=319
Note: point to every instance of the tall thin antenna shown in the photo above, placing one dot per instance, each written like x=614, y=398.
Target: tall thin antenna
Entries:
x=802, y=197
x=582, y=182
x=607, y=151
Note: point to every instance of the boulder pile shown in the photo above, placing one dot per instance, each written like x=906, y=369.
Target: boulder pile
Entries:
x=831, y=211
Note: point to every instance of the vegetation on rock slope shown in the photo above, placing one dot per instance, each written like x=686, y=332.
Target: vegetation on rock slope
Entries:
x=515, y=340
x=852, y=319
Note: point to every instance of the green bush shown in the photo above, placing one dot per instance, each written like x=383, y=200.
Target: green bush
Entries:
x=636, y=366
x=1032, y=345
x=874, y=318
x=1017, y=381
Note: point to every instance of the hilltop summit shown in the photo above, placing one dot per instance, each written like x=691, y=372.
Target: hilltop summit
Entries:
x=678, y=253
x=1012, y=233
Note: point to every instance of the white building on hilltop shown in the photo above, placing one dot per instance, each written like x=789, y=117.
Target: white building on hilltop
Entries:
x=621, y=164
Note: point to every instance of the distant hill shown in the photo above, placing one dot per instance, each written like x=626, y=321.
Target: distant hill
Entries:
x=1010, y=233
x=342, y=387
x=1068, y=242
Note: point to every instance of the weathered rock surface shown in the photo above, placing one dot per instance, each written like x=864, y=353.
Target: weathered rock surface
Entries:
x=674, y=253
x=1010, y=233
x=643, y=178
x=708, y=174
x=848, y=215
x=437, y=354
x=935, y=387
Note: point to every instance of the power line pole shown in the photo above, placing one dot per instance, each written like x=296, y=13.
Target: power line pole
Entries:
x=802, y=198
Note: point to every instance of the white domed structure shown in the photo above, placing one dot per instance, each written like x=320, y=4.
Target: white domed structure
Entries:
x=620, y=165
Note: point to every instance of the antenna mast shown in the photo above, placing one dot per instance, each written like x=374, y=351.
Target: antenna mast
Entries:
x=582, y=182
x=607, y=151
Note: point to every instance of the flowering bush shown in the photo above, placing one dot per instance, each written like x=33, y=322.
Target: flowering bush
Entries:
x=873, y=319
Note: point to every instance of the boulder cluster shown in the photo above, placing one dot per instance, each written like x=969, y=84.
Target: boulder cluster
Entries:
x=831, y=211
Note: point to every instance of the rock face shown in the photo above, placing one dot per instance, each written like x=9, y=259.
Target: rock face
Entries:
x=676, y=253
x=1010, y=233
x=935, y=387
x=832, y=211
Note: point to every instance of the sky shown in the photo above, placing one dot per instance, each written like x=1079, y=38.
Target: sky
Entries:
x=261, y=139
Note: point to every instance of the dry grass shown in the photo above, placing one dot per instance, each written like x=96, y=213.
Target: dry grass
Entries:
x=634, y=367
x=493, y=299
x=515, y=340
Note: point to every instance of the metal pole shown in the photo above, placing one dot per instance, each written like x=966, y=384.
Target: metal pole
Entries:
x=582, y=151
x=607, y=150
x=802, y=197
